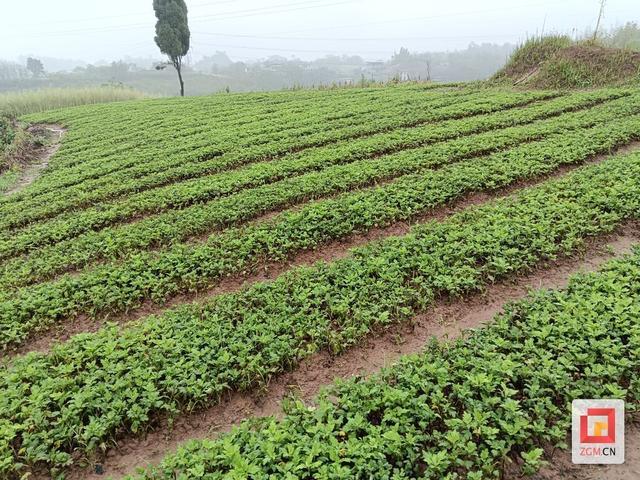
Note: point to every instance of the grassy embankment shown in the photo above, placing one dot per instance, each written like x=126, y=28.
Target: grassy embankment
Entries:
x=557, y=61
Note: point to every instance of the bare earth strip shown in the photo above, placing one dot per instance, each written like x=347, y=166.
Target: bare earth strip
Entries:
x=445, y=321
x=561, y=468
x=39, y=160
x=43, y=341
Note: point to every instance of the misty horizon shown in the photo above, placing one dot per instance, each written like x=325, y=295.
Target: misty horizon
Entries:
x=248, y=30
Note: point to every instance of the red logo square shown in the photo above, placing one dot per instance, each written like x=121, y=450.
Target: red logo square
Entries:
x=610, y=437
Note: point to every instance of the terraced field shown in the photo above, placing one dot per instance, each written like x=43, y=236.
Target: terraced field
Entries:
x=178, y=252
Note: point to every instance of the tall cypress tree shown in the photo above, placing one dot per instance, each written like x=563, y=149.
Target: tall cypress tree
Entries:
x=172, y=32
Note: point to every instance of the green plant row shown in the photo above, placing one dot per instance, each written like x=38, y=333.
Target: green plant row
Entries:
x=176, y=225
x=163, y=117
x=118, y=287
x=459, y=410
x=221, y=132
x=206, y=188
x=198, y=161
x=102, y=215
x=288, y=131
x=263, y=117
x=153, y=138
x=240, y=109
x=254, y=128
x=94, y=163
x=96, y=387
x=64, y=200
x=161, y=171
x=166, y=115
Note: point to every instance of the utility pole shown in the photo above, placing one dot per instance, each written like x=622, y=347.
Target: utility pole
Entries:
x=600, y=16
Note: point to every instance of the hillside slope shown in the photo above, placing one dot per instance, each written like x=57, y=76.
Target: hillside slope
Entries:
x=176, y=252
x=558, y=62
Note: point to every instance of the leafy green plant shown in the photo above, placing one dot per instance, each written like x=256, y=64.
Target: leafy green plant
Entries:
x=112, y=381
x=120, y=218
x=460, y=410
x=118, y=287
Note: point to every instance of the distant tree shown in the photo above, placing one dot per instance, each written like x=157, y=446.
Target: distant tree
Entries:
x=12, y=71
x=627, y=36
x=402, y=55
x=214, y=63
x=119, y=70
x=172, y=33
x=35, y=67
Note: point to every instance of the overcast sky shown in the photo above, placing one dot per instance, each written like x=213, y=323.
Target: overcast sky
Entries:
x=95, y=30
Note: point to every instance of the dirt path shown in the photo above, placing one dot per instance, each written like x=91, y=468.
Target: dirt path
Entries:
x=38, y=159
x=445, y=321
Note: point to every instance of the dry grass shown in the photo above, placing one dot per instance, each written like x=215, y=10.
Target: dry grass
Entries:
x=532, y=53
x=586, y=65
x=558, y=62
x=22, y=103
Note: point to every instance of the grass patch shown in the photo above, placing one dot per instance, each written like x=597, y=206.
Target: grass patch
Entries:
x=7, y=135
x=531, y=54
x=18, y=141
x=22, y=103
x=586, y=65
x=8, y=179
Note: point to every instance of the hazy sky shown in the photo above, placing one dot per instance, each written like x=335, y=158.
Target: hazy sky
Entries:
x=248, y=29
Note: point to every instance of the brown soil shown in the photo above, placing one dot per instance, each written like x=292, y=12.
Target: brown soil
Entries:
x=35, y=160
x=561, y=468
x=446, y=320
x=534, y=71
x=44, y=340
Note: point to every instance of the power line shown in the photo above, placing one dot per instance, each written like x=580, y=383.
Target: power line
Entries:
x=133, y=14
x=301, y=5
x=354, y=39
x=290, y=50
x=271, y=10
x=430, y=17
x=210, y=4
